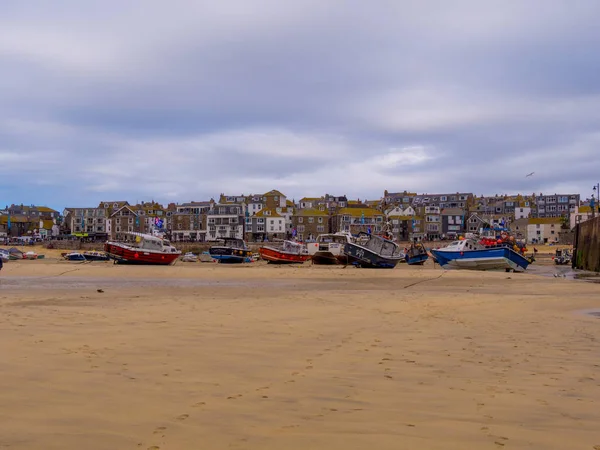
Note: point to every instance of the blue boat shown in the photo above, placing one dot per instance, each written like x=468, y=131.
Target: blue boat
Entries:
x=469, y=254
x=371, y=251
x=416, y=255
x=75, y=256
x=233, y=251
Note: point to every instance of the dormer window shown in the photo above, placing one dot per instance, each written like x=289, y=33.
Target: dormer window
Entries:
x=115, y=205
x=106, y=205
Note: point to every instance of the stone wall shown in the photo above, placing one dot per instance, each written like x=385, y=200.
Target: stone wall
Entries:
x=587, y=245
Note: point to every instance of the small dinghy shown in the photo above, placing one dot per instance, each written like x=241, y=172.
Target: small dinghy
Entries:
x=189, y=257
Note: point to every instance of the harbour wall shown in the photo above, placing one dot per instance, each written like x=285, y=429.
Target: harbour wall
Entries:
x=587, y=245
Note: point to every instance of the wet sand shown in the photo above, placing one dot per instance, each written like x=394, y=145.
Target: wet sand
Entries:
x=260, y=357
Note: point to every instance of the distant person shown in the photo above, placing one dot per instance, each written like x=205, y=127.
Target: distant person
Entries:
x=1, y=264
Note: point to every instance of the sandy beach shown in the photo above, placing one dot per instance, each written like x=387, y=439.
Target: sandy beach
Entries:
x=205, y=356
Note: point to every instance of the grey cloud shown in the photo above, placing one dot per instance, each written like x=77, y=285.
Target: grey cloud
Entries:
x=156, y=100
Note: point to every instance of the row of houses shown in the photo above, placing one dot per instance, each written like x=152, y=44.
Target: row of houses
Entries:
x=269, y=216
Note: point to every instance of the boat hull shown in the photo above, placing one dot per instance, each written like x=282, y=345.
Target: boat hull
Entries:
x=123, y=254
x=228, y=255
x=501, y=258
x=325, y=258
x=363, y=257
x=417, y=260
x=275, y=256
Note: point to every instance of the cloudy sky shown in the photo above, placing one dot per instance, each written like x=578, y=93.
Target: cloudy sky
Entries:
x=183, y=100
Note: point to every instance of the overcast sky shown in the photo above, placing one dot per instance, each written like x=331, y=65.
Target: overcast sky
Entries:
x=183, y=100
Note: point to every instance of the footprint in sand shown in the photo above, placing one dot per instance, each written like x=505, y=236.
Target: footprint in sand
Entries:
x=183, y=417
x=154, y=447
x=160, y=430
x=197, y=405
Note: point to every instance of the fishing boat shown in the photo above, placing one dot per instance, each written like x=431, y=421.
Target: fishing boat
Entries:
x=373, y=251
x=473, y=255
x=329, y=248
x=232, y=251
x=289, y=253
x=4, y=255
x=416, y=255
x=74, y=256
x=189, y=257
x=146, y=249
x=95, y=256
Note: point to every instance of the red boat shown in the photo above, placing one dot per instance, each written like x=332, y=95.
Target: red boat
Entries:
x=291, y=253
x=146, y=249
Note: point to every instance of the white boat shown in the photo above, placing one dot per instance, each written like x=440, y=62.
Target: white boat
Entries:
x=205, y=257
x=470, y=254
x=189, y=257
x=329, y=248
x=4, y=255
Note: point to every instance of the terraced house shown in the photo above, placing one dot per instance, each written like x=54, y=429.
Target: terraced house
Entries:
x=189, y=221
x=357, y=219
x=225, y=220
x=310, y=223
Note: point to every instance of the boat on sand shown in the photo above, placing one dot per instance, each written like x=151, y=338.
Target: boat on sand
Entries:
x=472, y=255
x=146, y=249
x=372, y=251
x=290, y=253
x=329, y=248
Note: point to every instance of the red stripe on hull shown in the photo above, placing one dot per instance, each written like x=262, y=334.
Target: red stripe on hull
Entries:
x=139, y=256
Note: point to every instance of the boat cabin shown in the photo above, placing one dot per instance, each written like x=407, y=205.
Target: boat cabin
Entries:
x=462, y=246
x=149, y=242
x=379, y=245
x=294, y=247
x=333, y=238
x=234, y=243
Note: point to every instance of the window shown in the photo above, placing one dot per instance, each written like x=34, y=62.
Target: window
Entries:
x=276, y=198
x=320, y=229
x=443, y=198
x=261, y=220
x=320, y=220
x=311, y=219
x=300, y=219
x=300, y=228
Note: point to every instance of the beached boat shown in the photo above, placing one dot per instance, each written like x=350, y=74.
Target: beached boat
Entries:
x=189, y=257
x=373, y=251
x=15, y=254
x=232, y=251
x=416, y=255
x=289, y=253
x=329, y=248
x=30, y=255
x=472, y=255
x=562, y=257
x=74, y=256
x=146, y=249
x=4, y=255
x=96, y=256
x=205, y=257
